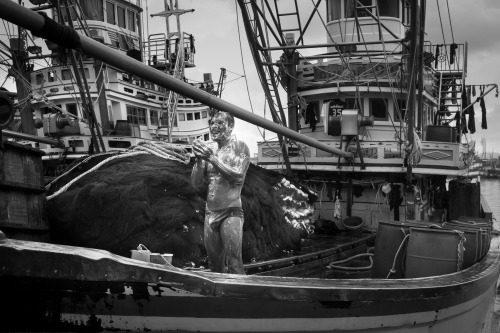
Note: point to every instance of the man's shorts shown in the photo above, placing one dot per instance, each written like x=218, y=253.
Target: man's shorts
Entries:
x=216, y=217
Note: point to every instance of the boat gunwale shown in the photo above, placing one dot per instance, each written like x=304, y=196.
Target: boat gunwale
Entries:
x=93, y=263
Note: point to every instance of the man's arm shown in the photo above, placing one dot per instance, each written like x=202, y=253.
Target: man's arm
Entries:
x=198, y=172
x=236, y=169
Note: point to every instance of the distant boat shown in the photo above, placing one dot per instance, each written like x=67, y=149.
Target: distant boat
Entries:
x=127, y=109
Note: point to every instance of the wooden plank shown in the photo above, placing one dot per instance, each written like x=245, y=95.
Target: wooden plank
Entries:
x=19, y=186
x=24, y=227
x=485, y=207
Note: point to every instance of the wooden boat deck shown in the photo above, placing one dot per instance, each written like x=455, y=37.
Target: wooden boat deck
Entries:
x=317, y=252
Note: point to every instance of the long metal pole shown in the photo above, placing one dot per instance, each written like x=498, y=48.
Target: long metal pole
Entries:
x=30, y=20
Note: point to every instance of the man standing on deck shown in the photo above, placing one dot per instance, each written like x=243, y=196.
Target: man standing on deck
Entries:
x=224, y=170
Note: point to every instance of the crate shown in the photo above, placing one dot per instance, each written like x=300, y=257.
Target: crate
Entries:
x=22, y=193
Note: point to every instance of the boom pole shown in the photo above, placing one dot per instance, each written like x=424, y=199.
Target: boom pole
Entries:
x=37, y=24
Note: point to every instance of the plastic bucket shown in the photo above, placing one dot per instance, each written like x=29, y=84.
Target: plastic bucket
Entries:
x=353, y=224
x=432, y=252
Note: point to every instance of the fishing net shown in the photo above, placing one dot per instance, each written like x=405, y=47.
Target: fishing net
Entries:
x=115, y=201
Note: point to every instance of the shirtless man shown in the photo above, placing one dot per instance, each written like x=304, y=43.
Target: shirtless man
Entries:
x=224, y=170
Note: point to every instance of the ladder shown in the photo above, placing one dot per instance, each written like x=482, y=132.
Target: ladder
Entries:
x=169, y=106
x=257, y=30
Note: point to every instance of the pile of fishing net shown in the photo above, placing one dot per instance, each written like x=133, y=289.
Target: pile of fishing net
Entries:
x=116, y=201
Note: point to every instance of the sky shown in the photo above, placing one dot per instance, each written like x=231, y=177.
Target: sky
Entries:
x=220, y=42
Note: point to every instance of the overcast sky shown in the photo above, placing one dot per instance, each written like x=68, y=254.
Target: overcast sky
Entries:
x=214, y=25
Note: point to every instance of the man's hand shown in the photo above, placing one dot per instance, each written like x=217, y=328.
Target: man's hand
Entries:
x=201, y=150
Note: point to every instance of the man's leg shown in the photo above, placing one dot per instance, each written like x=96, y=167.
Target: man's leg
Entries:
x=215, y=249
x=231, y=233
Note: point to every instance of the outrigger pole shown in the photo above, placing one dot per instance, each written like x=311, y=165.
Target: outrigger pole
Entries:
x=47, y=28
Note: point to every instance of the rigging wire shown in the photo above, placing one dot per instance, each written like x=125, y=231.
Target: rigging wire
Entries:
x=451, y=26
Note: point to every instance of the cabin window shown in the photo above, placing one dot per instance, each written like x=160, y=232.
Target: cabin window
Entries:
x=399, y=109
x=66, y=74
x=204, y=114
x=388, y=8
x=71, y=108
x=352, y=8
x=92, y=10
x=181, y=116
x=181, y=101
x=378, y=108
x=110, y=13
x=87, y=73
x=206, y=137
x=131, y=20
x=189, y=116
x=197, y=116
x=353, y=103
x=153, y=117
x=39, y=79
x=141, y=116
x=120, y=11
x=334, y=10
x=136, y=115
x=51, y=76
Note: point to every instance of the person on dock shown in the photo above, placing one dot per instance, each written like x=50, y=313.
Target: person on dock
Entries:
x=224, y=170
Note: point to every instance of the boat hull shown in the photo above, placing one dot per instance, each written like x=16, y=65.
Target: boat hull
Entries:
x=70, y=288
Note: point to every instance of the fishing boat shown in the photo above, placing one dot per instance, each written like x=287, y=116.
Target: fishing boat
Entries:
x=435, y=266
x=85, y=106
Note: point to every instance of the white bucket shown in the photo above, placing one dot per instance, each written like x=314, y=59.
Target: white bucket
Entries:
x=142, y=253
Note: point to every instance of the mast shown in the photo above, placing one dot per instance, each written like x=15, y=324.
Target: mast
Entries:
x=19, y=53
x=28, y=19
x=413, y=73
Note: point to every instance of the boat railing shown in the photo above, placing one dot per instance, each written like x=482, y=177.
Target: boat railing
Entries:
x=446, y=57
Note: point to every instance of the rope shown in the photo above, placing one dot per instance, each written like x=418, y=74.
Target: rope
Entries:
x=334, y=264
x=393, y=268
x=153, y=148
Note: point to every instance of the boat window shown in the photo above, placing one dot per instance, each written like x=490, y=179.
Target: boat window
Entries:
x=378, y=108
x=110, y=12
x=141, y=116
x=197, y=116
x=71, y=108
x=181, y=117
x=181, y=101
x=204, y=114
x=334, y=10
x=51, y=76
x=189, y=116
x=206, y=137
x=92, y=10
x=399, y=109
x=120, y=11
x=136, y=115
x=119, y=144
x=39, y=78
x=131, y=20
x=352, y=103
x=66, y=74
x=351, y=7
x=153, y=117
x=388, y=8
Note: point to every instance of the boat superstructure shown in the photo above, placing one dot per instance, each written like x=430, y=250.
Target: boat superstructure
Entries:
x=370, y=87
x=103, y=108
